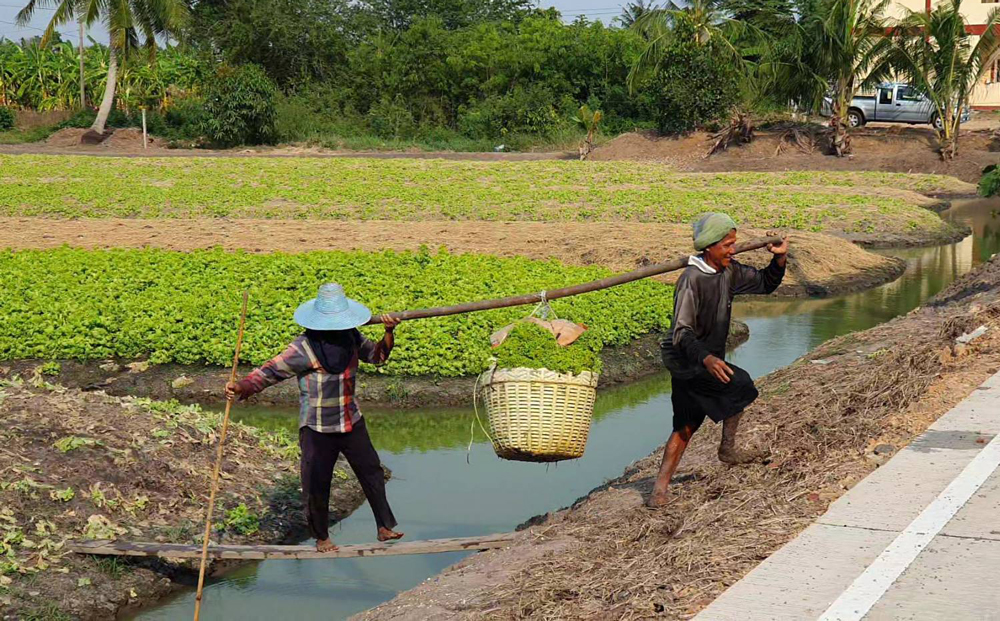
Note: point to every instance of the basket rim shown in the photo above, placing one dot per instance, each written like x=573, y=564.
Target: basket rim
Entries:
x=537, y=374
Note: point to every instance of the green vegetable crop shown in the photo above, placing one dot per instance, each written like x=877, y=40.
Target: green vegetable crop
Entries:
x=359, y=188
x=532, y=346
x=183, y=307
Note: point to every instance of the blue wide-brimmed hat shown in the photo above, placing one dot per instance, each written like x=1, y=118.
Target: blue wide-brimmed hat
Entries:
x=331, y=309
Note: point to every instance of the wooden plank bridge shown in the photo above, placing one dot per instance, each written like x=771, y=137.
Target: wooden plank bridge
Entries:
x=260, y=552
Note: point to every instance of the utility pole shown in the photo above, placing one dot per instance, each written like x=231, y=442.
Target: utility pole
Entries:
x=83, y=92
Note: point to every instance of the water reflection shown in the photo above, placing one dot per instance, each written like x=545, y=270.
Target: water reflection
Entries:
x=435, y=493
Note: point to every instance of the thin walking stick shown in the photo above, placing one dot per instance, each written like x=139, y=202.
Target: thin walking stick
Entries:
x=218, y=465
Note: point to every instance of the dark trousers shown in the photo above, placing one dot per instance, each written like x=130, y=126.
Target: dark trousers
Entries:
x=319, y=456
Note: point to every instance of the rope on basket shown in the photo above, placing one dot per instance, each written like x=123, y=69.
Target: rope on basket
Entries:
x=475, y=408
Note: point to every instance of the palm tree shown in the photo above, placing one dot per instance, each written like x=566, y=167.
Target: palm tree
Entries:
x=934, y=51
x=709, y=27
x=633, y=11
x=847, y=45
x=127, y=21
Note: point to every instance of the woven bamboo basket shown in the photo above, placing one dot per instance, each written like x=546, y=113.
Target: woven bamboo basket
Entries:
x=538, y=415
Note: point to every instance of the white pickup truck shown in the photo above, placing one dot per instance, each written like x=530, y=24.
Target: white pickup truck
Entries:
x=891, y=103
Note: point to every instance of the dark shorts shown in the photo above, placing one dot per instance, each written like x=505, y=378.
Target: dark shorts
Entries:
x=703, y=395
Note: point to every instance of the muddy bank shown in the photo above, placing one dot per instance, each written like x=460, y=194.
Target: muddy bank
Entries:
x=194, y=384
x=88, y=465
x=819, y=264
x=827, y=420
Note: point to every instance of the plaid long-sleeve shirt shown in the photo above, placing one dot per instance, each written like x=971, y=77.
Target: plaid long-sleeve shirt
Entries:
x=326, y=401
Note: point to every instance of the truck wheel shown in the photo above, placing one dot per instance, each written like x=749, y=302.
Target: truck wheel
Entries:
x=855, y=118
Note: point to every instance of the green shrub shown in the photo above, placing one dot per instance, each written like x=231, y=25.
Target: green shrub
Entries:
x=239, y=107
x=6, y=119
x=185, y=118
x=390, y=118
x=531, y=109
x=693, y=87
x=989, y=184
x=81, y=119
x=532, y=346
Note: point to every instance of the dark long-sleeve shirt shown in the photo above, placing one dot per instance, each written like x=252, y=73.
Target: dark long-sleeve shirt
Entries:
x=703, y=304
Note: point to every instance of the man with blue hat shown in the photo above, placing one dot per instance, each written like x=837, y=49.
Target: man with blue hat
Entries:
x=703, y=383
x=325, y=361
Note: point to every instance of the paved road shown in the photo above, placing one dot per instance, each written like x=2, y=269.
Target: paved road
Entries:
x=919, y=538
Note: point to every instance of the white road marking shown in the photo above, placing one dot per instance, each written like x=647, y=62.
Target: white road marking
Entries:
x=855, y=602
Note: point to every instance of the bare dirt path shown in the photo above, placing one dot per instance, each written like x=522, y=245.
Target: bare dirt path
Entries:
x=820, y=264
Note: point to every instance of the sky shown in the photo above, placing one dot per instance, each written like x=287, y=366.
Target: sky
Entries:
x=603, y=10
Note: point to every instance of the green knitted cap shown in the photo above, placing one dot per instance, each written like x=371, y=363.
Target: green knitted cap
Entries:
x=710, y=229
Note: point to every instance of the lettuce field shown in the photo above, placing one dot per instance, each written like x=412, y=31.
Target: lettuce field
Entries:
x=183, y=307
x=380, y=189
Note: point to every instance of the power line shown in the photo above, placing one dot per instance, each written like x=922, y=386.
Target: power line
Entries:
x=22, y=28
x=17, y=6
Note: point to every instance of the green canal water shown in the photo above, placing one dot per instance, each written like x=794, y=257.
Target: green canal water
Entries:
x=435, y=492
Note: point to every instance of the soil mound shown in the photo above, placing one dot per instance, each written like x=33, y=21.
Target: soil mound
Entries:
x=893, y=148
x=129, y=139
x=121, y=140
x=67, y=137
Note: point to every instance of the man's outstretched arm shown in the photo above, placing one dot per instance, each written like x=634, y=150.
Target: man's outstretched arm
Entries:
x=752, y=281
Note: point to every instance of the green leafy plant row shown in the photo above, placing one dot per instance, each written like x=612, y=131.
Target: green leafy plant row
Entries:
x=183, y=307
x=68, y=186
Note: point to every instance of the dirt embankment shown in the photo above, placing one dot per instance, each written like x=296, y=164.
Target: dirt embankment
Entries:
x=828, y=420
x=892, y=149
x=201, y=384
x=820, y=264
x=89, y=465
x=127, y=142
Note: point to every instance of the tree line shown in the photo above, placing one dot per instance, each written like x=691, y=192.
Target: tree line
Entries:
x=494, y=71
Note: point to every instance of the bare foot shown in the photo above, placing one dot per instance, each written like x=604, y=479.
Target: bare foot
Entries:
x=656, y=500
x=325, y=545
x=736, y=457
x=386, y=534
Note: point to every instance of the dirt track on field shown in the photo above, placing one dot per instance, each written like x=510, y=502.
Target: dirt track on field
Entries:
x=820, y=264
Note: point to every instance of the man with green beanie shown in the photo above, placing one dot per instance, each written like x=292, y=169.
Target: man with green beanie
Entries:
x=703, y=383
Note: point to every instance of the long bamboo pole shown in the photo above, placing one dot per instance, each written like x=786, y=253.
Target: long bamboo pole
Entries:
x=555, y=294
x=218, y=465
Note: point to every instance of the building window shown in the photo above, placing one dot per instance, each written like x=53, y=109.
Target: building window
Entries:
x=993, y=74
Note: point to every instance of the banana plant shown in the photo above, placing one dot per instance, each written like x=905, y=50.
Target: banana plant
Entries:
x=132, y=26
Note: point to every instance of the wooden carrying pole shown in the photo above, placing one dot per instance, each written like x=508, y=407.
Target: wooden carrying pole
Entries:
x=218, y=465
x=555, y=294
